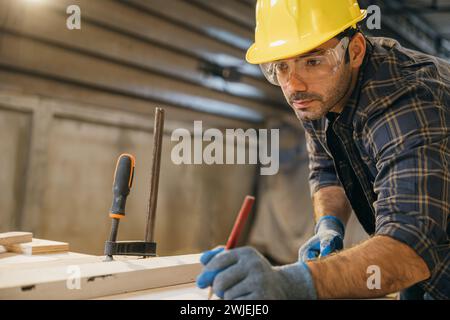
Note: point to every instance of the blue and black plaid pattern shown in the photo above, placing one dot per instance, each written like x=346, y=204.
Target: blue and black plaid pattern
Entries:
x=395, y=134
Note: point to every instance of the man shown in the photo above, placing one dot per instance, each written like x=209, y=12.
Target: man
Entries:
x=377, y=119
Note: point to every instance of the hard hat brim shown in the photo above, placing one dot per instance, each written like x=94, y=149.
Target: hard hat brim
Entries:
x=286, y=50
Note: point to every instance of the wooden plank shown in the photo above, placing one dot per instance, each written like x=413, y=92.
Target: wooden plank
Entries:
x=13, y=261
x=99, y=278
x=38, y=246
x=179, y=292
x=186, y=292
x=15, y=237
x=27, y=264
x=10, y=260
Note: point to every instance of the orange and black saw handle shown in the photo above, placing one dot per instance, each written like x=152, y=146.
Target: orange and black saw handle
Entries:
x=123, y=180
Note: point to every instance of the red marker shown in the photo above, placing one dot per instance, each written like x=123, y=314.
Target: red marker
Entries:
x=237, y=228
x=240, y=222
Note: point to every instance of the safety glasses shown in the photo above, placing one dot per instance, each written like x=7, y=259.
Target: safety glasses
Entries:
x=314, y=67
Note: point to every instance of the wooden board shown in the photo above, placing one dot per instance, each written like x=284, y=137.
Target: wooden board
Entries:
x=13, y=261
x=97, y=279
x=10, y=260
x=12, y=238
x=162, y=278
x=38, y=246
x=187, y=291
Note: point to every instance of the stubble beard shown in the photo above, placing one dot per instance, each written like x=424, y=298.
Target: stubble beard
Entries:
x=327, y=102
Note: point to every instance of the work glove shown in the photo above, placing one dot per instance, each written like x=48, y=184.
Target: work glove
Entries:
x=244, y=274
x=328, y=237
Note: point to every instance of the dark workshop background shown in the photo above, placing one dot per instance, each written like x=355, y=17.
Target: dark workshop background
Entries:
x=71, y=101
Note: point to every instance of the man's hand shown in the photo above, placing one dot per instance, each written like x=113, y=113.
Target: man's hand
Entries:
x=328, y=238
x=244, y=273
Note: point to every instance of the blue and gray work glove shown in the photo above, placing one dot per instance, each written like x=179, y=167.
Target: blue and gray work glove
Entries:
x=329, y=237
x=244, y=274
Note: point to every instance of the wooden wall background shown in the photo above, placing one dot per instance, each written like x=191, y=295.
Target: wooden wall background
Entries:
x=71, y=101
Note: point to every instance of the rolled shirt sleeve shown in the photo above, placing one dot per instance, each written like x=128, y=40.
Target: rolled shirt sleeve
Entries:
x=413, y=183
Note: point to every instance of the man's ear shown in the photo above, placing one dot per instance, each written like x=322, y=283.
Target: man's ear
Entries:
x=357, y=50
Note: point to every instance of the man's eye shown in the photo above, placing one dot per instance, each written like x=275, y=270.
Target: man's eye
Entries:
x=313, y=62
x=281, y=67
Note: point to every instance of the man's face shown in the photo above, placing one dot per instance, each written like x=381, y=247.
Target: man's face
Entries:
x=312, y=101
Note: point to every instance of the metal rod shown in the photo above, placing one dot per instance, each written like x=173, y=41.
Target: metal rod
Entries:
x=113, y=235
x=114, y=229
x=154, y=178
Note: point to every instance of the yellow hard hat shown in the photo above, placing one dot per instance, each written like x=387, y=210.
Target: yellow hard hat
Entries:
x=286, y=28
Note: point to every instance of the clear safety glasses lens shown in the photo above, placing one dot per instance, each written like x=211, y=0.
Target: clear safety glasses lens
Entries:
x=310, y=68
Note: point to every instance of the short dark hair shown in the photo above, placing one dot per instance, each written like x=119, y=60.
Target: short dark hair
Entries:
x=350, y=33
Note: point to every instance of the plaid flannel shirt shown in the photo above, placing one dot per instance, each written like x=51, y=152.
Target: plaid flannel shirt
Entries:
x=395, y=134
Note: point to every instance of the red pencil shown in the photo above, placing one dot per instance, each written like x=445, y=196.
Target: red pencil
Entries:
x=240, y=222
x=237, y=228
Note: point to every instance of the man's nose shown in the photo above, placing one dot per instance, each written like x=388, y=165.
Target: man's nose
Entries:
x=295, y=83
